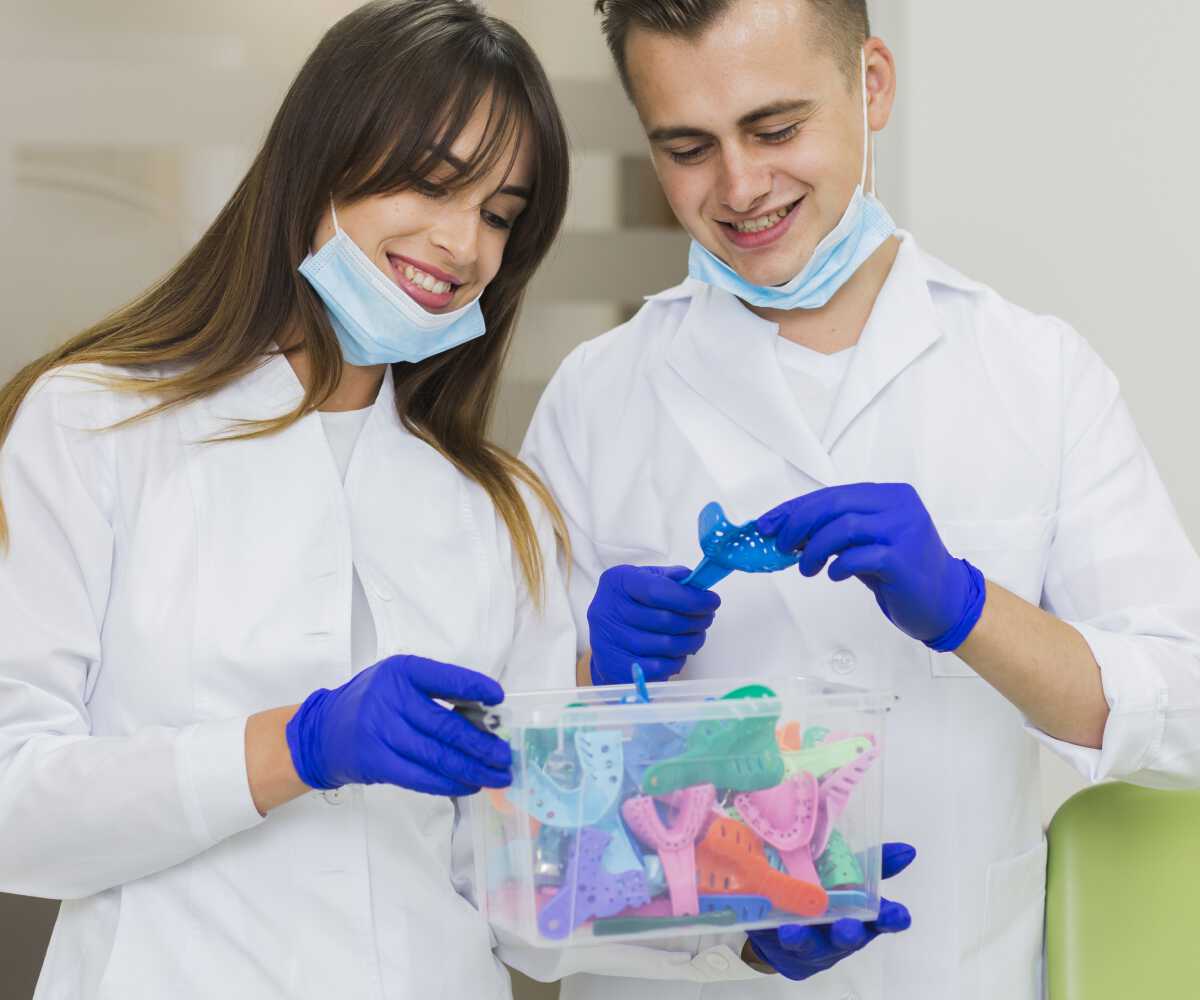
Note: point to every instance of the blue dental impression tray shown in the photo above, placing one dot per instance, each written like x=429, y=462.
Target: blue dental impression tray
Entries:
x=728, y=547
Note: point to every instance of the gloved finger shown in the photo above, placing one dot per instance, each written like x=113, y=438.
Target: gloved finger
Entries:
x=446, y=680
x=848, y=935
x=865, y=561
x=650, y=644
x=449, y=729
x=657, y=590
x=444, y=760
x=843, y=532
x=805, y=940
x=644, y=619
x=794, y=522
x=405, y=774
x=896, y=857
x=653, y=669
x=893, y=918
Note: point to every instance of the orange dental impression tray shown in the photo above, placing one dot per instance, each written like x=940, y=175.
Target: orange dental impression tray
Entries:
x=730, y=860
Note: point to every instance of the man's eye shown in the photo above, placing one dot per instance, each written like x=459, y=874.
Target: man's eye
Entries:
x=687, y=155
x=781, y=136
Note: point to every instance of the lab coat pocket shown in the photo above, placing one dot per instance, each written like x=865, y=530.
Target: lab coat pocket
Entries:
x=1011, y=552
x=1012, y=942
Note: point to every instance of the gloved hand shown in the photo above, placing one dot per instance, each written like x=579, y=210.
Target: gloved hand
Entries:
x=882, y=534
x=643, y=614
x=382, y=727
x=798, y=951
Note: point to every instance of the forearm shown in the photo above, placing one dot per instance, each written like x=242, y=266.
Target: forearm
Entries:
x=1041, y=664
x=269, y=768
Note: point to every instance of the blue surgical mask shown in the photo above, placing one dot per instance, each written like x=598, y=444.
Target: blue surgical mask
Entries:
x=375, y=321
x=862, y=230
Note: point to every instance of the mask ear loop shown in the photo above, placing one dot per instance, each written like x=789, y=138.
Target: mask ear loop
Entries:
x=333, y=211
x=868, y=146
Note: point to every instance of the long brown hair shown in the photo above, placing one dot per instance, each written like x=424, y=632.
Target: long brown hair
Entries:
x=373, y=110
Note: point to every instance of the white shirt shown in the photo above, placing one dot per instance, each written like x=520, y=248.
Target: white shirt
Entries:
x=158, y=591
x=341, y=431
x=1016, y=437
x=814, y=379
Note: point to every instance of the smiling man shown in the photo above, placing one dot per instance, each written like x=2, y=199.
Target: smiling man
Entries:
x=1000, y=549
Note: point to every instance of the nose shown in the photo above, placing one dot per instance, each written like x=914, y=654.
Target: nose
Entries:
x=744, y=182
x=456, y=231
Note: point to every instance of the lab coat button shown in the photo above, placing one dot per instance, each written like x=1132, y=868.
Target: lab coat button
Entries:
x=843, y=661
x=333, y=796
x=718, y=962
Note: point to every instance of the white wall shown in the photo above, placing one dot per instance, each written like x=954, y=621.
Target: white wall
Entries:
x=1048, y=150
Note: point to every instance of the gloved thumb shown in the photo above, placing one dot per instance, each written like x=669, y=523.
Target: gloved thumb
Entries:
x=896, y=857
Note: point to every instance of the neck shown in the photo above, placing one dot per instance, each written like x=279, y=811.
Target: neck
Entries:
x=357, y=389
x=838, y=324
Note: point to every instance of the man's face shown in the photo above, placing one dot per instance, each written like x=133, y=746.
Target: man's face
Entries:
x=755, y=131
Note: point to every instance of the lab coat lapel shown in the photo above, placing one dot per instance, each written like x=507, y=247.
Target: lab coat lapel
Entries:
x=727, y=355
x=901, y=327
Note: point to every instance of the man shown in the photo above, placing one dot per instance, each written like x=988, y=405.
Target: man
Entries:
x=1019, y=572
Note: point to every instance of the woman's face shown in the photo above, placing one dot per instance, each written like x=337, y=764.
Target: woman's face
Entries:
x=442, y=249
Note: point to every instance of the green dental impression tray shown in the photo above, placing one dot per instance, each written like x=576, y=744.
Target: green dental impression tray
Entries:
x=738, y=754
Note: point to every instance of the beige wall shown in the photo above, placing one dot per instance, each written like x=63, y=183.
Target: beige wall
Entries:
x=1043, y=148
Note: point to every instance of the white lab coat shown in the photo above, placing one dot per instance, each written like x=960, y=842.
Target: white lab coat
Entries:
x=158, y=591
x=1016, y=437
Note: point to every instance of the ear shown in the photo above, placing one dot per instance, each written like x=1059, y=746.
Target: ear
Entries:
x=881, y=83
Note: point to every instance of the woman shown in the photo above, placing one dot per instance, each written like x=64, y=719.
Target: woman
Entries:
x=265, y=475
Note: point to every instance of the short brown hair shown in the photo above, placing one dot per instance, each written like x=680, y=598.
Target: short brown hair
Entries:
x=844, y=25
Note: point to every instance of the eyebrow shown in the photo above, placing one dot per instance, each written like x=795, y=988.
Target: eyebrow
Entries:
x=669, y=132
x=513, y=189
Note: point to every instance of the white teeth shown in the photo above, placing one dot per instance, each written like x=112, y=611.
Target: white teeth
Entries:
x=426, y=281
x=762, y=222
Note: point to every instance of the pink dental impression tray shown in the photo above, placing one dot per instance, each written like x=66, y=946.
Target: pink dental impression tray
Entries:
x=835, y=792
x=675, y=845
x=786, y=817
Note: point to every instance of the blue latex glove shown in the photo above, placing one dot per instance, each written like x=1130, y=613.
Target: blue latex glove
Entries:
x=382, y=727
x=798, y=951
x=643, y=614
x=882, y=534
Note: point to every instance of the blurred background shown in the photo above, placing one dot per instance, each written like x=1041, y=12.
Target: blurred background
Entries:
x=1043, y=148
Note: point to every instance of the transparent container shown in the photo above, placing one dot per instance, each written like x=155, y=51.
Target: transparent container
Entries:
x=717, y=805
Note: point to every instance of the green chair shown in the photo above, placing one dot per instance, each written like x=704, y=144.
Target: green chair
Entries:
x=1123, y=895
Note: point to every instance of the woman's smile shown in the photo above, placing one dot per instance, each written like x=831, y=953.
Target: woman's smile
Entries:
x=426, y=285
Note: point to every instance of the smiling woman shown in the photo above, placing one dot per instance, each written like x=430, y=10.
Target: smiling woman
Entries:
x=227, y=609
x=405, y=111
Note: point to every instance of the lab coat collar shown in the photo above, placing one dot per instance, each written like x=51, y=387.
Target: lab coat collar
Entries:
x=727, y=354
x=272, y=389
x=902, y=326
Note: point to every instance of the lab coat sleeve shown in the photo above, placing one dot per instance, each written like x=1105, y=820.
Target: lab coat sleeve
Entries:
x=1123, y=572
x=80, y=813
x=556, y=449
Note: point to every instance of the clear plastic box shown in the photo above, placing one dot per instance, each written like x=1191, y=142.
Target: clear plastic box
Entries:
x=717, y=805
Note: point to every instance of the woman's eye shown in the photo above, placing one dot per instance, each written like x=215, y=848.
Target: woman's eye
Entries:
x=496, y=221
x=781, y=136
x=429, y=189
x=687, y=155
